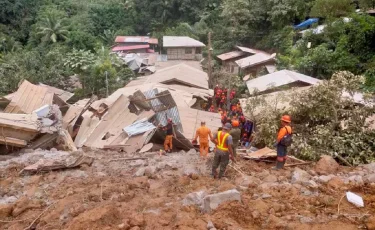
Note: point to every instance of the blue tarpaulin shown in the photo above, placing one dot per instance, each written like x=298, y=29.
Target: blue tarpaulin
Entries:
x=306, y=23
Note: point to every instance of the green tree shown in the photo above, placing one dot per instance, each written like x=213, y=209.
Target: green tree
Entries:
x=52, y=29
x=332, y=8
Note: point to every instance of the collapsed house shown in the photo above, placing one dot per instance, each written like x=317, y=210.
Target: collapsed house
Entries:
x=38, y=116
x=247, y=61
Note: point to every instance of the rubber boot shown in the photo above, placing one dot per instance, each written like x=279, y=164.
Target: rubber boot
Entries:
x=279, y=165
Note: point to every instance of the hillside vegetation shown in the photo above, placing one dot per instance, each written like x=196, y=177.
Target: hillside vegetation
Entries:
x=50, y=40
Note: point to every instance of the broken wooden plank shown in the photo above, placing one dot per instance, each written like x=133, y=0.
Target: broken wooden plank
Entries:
x=114, y=146
x=296, y=164
x=296, y=159
x=66, y=140
x=13, y=142
x=129, y=159
x=44, y=141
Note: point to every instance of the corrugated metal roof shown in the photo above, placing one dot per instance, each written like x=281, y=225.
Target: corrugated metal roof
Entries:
x=127, y=48
x=28, y=98
x=64, y=95
x=180, y=74
x=251, y=50
x=254, y=60
x=136, y=39
x=177, y=41
x=139, y=127
x=276, y=79
x=230, y=55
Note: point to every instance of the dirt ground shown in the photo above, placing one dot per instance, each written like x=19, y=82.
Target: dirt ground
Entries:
x=107, y=195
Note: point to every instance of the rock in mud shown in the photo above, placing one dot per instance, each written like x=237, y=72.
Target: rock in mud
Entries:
x=210, y=225
x=300, y=176
x=311, y=184
x=137, y=220
x=140, y=172
x=306, y=220
x=194, y=198
x=150, y=171
x=213, y=201
x=357, y=180
x=246, y=181
x=325, y=179
x=5, y=210
x=370, y=178
x=270, y=179
x=370, y=167
x=190, y=171
x=326, y=165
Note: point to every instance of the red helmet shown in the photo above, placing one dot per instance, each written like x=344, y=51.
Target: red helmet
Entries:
x=286, y=118
x=169, y=119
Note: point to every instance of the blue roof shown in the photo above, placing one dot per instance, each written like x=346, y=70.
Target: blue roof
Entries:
x=306, y=23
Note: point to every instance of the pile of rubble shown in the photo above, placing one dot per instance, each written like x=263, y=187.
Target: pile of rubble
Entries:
x=38, y=116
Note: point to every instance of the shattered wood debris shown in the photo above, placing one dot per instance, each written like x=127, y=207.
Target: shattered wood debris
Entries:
x=50, y=165
x=38, y=116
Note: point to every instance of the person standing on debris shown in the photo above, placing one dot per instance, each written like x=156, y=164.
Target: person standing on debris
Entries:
x=203, y=133
x=169, y=137
x=223, y=151
x=284, y=139
x=236, y=135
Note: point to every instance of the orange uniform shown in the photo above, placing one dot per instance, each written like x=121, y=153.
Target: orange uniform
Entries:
x=203, y=133
x=283, y=131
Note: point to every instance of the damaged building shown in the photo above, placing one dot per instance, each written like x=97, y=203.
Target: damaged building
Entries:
x=38, y=116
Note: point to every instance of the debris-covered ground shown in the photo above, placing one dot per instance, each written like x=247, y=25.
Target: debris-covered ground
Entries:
x=176, y=192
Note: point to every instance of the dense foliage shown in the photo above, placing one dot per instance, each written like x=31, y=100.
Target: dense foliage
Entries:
x=49, y=30
x=328, y=118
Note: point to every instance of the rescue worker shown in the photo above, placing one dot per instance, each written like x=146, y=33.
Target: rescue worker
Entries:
x=285, y=130
x=169, y=137
x=212, y=109
x=236, y=135
x=223, y=151
x=203, y=133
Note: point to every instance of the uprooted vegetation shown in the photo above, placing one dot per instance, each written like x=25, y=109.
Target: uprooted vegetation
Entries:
x=329, y=118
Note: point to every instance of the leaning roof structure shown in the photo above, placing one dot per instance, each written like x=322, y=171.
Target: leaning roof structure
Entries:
x=277, y=79
x=230, y=55
x=176, y=41
x=254, y=60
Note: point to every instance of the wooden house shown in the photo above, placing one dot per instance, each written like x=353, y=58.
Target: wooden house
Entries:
x=182, y=48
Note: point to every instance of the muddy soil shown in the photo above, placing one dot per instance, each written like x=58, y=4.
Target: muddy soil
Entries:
x=108, y=195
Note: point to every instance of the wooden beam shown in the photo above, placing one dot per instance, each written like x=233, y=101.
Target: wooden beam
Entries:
x=114, y=146
x=13, y=142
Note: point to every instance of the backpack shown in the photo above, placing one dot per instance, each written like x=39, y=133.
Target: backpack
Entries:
x=287, y=140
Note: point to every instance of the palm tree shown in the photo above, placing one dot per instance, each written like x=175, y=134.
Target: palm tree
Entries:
x=51, y=29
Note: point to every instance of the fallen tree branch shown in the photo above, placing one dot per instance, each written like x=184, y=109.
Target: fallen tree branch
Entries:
x=343, y=160
x=129, y=159
x=40, y=215
x=338, y=206
x=15, y=221
x=290, y=165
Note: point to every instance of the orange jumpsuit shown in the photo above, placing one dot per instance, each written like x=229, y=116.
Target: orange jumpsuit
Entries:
x=203, y=133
